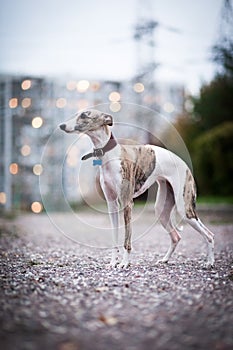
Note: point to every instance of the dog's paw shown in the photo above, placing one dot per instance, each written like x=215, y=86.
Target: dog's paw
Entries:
x=113, y=264
x=161, y=261
x=123, y=265
x=208, y=265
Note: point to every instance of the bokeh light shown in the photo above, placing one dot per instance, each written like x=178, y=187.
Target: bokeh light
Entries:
x=114, y=96
x=25, y=150
x=13, y=103
x=2, y=198
x=189, y=106
x=168, y=107
x=37, y=122
x=26, y=84
x=14, y=168
x=36, y=207
x=26, y=102
x=95, y=86
x=139, y=88
x=115, y=107
x=83, y=85
x=61, y=102
x=71, y=85
x=37, y=169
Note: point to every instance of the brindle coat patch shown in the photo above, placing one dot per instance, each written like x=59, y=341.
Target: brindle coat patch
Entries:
x=137, y=164
x=189, y=195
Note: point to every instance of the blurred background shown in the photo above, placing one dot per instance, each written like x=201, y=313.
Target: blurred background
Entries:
x=171, y=59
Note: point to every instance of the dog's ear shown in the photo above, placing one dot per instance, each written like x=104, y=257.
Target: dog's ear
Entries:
x=108, y=119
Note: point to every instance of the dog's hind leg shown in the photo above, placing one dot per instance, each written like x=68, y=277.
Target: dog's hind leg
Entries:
x=164, y=205
x=128, y=233
x=175, y=238
x=208, y=237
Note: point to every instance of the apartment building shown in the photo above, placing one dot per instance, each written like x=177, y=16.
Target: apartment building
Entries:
x=38, y=164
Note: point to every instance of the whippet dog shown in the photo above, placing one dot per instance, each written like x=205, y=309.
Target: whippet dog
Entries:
x=126, y=171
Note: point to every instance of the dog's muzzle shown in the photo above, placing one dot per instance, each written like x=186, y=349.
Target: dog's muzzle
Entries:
x=63, y=127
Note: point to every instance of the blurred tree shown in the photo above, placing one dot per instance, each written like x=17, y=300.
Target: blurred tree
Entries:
x=223, y=54
x=215, y=104
x=223, y=51
x=189, y=128
x=213, y=158
x=208, y=129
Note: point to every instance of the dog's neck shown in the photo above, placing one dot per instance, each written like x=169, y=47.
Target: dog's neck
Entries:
x=100, y=136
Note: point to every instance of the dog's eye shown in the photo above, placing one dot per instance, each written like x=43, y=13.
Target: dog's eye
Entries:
x=83, y=116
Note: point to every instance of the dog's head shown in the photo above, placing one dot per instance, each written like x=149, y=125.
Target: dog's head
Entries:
x=87, y=121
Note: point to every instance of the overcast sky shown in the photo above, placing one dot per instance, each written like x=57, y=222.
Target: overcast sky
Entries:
x=94, y=39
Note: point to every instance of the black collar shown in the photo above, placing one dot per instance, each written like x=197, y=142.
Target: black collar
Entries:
x=100, y=152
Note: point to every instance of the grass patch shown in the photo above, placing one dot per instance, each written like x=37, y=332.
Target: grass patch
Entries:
x=11, y=215
x=221, y=222
x=215, y=200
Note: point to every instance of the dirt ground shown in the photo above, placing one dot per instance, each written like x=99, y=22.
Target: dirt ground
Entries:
x=57, y=291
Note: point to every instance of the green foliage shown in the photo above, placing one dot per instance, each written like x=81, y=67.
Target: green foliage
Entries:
x=215, y=104
x=189, y=129
x=212, y=200
x=208, y=130
x=223, y=54
x=213, y=160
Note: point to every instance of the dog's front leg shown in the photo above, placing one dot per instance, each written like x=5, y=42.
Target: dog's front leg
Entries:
x=113, y=209
x=128, y=233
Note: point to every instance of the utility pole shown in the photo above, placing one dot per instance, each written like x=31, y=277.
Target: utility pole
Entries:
x=7, y=146
x=144, y=31
x=223, y=49
x=144, y=37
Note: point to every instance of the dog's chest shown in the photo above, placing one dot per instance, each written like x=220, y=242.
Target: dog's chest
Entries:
x=137, y=164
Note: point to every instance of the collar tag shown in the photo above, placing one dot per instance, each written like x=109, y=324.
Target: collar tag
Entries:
x=97, y=162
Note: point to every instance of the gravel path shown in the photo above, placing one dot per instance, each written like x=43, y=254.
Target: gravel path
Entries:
x=56, y=294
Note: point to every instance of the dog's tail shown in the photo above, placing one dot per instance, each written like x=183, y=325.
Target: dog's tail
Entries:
x=185, y=201
x=190, y=195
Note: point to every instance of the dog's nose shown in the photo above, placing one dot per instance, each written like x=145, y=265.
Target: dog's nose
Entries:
x=63, y=126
